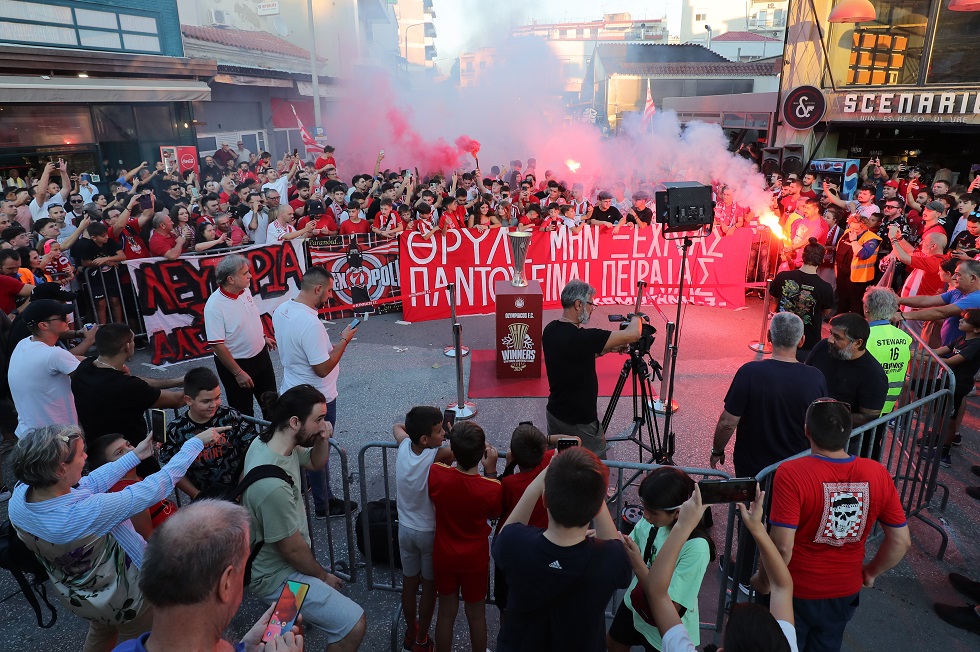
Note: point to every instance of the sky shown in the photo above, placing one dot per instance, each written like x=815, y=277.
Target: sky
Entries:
x=465, y=25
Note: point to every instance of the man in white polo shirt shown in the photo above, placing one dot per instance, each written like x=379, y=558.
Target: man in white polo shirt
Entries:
x=39, y=369
x=308, y=357
x=233, y=327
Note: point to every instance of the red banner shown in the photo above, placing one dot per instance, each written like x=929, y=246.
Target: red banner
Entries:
x=364, y=268
x=612, y=263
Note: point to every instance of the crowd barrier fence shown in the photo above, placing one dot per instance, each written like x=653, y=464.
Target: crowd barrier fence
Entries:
x=111, y=284
x=377, y=480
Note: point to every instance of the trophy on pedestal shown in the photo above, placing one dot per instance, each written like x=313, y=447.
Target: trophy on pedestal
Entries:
x=519, y=241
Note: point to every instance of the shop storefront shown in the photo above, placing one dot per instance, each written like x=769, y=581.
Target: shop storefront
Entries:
x=903, y=87
x=100, y=84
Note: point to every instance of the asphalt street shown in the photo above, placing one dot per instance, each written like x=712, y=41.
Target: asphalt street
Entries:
x=391, y=367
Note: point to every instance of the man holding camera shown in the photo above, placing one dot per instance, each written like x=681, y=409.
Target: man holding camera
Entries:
x=570, y=351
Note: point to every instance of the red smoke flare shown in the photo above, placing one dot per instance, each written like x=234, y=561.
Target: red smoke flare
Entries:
x=468, y=145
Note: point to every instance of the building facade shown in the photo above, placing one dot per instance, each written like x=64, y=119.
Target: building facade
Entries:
x=904, y=87
x=102, y=84
x=620, y=75
x=416, y=33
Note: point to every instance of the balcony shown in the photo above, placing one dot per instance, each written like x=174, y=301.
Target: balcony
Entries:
x=767, y=23
x=430, y=52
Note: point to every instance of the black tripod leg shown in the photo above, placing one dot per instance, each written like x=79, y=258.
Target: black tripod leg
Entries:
x=614, y=401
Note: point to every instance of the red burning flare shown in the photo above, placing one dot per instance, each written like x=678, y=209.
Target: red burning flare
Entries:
x=467, y=144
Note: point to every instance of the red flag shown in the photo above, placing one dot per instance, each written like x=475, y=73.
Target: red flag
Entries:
x=308, y=140
x=649, y=109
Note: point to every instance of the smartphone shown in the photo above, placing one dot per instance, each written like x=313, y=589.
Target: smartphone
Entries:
x=295, y=152
x=354, y=324
x=158, y=425
x=448, y=420
x=85, y=176
x=565, y=443
x=146, y=202
x=975, y=168
x=286, y=611
x=736, y=490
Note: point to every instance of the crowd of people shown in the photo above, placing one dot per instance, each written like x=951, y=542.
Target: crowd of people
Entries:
x=92, y=495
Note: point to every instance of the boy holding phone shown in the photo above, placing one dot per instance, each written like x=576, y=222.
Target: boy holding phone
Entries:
x=420, y=441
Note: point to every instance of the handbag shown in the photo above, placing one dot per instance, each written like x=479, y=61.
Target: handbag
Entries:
x=638, y=596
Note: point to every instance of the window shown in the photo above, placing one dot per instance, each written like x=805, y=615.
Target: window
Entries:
x=886, y=51
x=36, y=23
x=956, y=49
x=700, y=18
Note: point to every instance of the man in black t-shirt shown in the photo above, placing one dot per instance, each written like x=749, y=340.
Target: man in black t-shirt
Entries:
x=766, y=403
x=604, y=213
x=853, y=375
x=569, y=356
x=222, y=460
x=98, y=254
x=109, y=400
x=640, y=214
x=559, y=580
x=806, y=295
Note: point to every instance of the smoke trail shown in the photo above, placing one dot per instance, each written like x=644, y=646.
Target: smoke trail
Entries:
x=514, y=112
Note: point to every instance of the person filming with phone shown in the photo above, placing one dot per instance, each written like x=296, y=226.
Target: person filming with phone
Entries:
x=192, y=576
x=570, y=351
x=309, y=357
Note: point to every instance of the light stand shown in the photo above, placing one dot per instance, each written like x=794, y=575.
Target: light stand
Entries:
x=762, y=345
x=450, y=351
x=464, y=409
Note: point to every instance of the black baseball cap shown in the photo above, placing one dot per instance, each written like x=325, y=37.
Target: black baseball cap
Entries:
x=315, y=207
x=52, y=291
x=38, y=311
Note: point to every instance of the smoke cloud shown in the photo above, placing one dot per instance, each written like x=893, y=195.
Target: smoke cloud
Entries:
x=514, y=113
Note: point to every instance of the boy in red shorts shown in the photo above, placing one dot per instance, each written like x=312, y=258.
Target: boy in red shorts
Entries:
x=464, y=502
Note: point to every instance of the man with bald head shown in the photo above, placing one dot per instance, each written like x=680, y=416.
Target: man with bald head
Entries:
x=923, y=279
x=193, y=576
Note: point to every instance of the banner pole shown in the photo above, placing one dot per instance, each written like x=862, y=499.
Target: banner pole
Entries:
x=450, y=351
x=464, y=409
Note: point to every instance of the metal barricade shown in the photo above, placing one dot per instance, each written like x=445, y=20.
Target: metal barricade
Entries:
x=111, y=284
x=384, y=479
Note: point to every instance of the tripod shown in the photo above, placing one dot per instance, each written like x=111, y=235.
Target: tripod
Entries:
x=637, y=369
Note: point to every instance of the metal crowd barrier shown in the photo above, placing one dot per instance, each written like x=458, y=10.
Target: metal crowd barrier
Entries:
x=906, y=441
x=381, y=487
x=127, y=295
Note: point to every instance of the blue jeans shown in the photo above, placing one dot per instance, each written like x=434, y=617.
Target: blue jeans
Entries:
x=319, y=481
x=820, y=623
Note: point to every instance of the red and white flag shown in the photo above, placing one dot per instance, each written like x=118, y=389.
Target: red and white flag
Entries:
x=649, y=109
x=308, y=140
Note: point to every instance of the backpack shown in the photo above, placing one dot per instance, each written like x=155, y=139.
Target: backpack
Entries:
x=20, y=560
x=373, y=519
x=234, y=494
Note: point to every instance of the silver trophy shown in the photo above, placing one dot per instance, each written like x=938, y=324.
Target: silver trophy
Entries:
x=519, y=241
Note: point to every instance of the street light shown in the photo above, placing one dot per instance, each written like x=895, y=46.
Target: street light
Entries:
x=315, y=75
x=408, y=27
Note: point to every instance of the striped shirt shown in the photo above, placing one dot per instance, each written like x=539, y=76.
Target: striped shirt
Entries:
x=87, y=509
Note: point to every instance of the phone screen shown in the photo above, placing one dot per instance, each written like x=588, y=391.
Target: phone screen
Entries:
x=565, y=443
x=146, y=201
x=286, y=610
x=736, y=490
x=448, y=420
x=354, y=324
x=158, y=425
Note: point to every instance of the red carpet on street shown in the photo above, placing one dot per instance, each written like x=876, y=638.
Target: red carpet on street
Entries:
x=485, y=384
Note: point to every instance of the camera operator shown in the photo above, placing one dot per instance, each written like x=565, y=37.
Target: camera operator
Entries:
x=570, y=351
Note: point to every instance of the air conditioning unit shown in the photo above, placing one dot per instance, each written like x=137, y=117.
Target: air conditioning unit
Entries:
x=219, y=17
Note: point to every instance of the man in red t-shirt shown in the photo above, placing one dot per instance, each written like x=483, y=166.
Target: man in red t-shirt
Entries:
x=164, y=241
x=464, y=502
x=824, y=506
x=126, y=229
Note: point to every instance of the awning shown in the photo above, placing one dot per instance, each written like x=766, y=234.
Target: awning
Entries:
x=33, y=90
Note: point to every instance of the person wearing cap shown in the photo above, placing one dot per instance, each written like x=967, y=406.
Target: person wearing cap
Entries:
x=54, y=292
x=932, y=218
x=39, y=369
x=604, y=213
